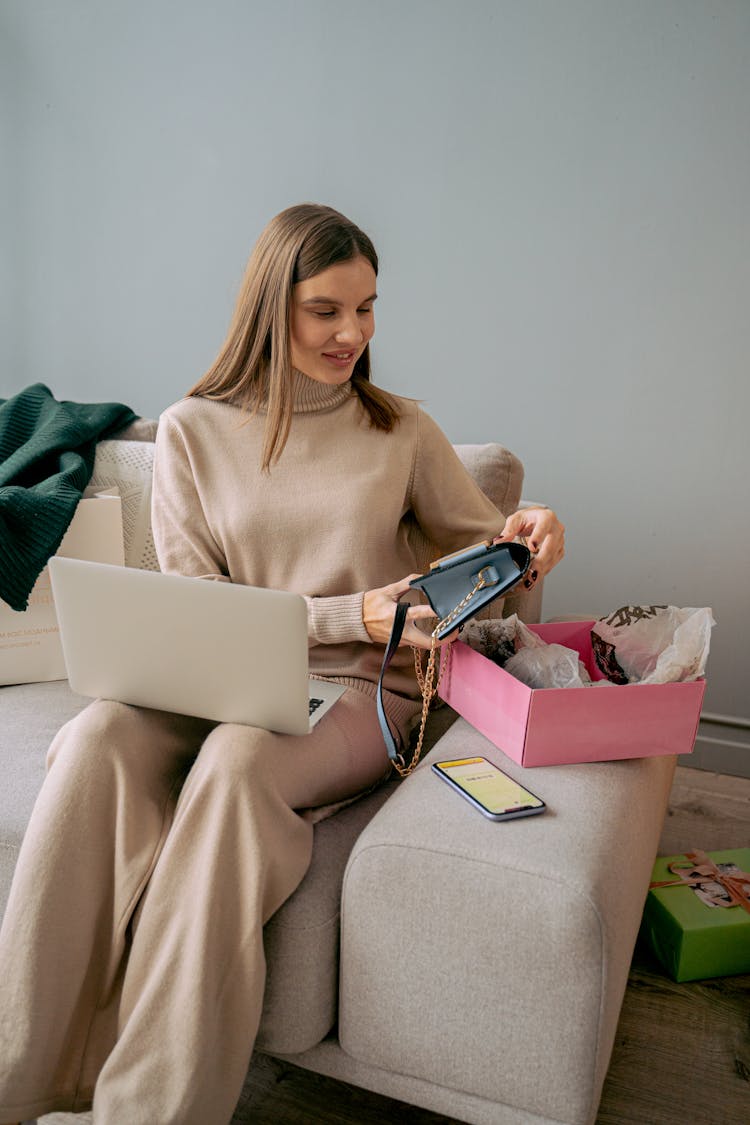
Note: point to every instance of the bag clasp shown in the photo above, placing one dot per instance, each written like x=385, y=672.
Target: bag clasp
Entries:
x=487, y=576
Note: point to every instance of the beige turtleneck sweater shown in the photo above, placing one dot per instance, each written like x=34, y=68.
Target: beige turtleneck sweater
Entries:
x=329, y=521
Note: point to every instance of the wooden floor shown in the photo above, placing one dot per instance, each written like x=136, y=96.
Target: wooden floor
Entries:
x=682, y=1051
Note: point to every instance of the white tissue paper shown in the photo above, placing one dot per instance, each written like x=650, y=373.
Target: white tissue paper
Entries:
x=512, y=645
x=633, y=645
x=550, y=666
x=656, y=644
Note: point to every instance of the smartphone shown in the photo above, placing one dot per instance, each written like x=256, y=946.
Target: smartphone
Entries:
x=488, y=789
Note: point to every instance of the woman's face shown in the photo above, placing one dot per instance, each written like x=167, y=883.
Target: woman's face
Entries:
x=332, y=320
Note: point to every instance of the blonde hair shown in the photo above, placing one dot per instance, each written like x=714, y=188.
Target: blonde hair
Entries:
x=254, y=364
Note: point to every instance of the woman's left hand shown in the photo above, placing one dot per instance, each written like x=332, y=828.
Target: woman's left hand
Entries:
x=544, y=535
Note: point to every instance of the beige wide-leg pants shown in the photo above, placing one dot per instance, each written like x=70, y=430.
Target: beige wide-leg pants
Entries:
x=131, y=954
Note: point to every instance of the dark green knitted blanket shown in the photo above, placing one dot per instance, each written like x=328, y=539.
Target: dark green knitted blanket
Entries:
x=47, y=451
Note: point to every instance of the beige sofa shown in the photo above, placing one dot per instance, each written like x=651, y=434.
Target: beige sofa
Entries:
x=472, y=968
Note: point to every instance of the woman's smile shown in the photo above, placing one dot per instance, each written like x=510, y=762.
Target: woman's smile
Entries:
x=340, y=359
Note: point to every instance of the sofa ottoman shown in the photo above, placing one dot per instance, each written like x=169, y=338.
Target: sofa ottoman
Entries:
x=483, y=964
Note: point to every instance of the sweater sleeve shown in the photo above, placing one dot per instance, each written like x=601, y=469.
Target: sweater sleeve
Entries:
x=336, y=620
x=183, y=540
x=448, y=504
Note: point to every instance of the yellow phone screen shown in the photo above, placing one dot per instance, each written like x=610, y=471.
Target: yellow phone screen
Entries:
x=489, y=785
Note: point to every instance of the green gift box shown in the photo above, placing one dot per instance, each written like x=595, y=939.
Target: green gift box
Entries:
x=693, y=940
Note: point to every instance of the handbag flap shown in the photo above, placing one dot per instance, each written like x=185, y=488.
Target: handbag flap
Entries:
x=500, y=566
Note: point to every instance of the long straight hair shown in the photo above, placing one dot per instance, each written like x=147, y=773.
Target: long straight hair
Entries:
x=254, y=365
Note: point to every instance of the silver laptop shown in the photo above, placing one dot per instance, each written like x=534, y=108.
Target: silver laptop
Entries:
x=231, y=653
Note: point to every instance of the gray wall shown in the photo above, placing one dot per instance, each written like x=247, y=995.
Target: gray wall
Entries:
x=558, y=191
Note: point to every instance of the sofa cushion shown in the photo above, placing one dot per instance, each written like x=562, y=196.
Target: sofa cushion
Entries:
x=31, y=716
x=497, y=471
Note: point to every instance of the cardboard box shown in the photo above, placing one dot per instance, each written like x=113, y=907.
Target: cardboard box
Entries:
x=694, y=941
x=551, y=726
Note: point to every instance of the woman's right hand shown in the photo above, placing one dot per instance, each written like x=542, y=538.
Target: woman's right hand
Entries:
x=379, y=609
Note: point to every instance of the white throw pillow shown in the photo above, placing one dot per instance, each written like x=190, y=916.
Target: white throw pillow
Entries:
x=128, y=466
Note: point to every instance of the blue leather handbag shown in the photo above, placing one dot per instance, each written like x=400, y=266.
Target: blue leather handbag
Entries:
x=457, y=587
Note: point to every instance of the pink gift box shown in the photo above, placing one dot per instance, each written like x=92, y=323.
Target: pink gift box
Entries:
x=551, y=726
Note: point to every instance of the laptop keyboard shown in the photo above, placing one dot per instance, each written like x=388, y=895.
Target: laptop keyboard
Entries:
x=315, y=704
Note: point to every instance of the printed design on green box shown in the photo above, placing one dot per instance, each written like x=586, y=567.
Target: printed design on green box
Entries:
x=715, y=884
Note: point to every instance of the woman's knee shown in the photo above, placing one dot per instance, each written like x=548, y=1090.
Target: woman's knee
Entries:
x=101, y=724
x=235, y=755
x=109, y=736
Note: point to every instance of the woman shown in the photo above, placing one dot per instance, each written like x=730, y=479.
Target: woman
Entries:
x=131, y=952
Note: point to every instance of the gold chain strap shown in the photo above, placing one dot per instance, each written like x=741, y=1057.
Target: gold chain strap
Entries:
x=426, y=678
